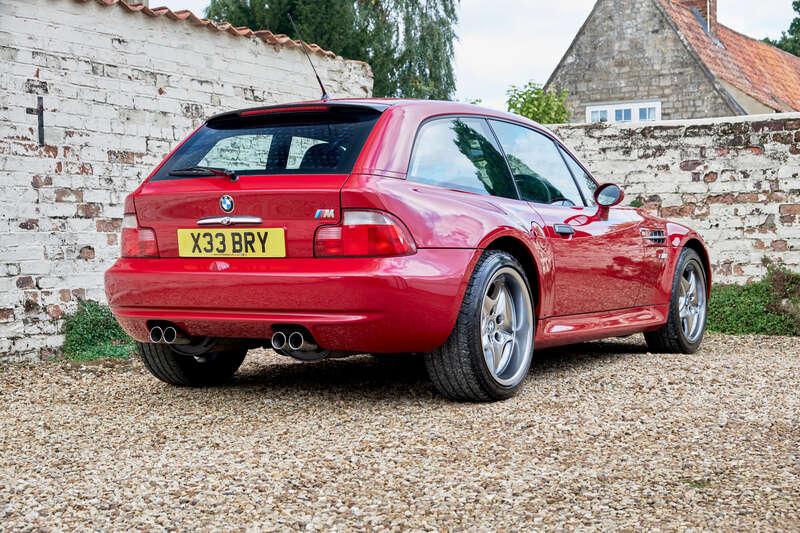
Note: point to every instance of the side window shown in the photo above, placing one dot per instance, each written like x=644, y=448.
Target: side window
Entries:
x=298, y=149
x=459, y=153
x=585, y=181
x=538, y=168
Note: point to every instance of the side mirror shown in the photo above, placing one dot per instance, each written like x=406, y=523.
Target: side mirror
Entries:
x=608, y=195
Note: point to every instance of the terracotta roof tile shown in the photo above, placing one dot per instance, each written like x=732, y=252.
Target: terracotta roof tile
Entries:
x=760, y=70
x=188, y=17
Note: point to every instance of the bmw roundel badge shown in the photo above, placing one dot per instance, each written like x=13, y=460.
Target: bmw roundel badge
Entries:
x=226, y=203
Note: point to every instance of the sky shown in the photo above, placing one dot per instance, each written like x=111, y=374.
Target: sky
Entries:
x=510, y=42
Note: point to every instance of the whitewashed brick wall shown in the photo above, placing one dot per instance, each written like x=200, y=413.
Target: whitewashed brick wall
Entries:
x=735, y=180
x=120, y=88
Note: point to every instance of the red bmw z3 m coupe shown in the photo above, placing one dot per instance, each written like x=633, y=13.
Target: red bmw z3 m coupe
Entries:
x=338, y=227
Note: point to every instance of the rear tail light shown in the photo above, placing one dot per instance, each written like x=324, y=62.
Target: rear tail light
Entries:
x=136, y=241
x=364, y=233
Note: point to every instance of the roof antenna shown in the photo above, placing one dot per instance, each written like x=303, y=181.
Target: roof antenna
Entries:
x=303, y=45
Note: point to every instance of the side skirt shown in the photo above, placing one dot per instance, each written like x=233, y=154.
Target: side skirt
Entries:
x=561, y=330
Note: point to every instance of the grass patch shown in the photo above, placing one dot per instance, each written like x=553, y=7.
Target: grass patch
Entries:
x=770, y=306
x=93, y=333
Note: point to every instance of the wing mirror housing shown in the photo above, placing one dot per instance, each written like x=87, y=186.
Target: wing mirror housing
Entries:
x=608, y=195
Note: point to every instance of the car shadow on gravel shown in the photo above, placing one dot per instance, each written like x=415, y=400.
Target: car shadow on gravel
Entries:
x=405, y=375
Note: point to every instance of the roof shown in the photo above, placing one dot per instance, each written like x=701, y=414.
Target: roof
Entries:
x=187, y=17
x=762, y=71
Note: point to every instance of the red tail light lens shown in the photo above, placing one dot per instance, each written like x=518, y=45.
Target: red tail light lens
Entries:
x=136, y=241
x=364, y=234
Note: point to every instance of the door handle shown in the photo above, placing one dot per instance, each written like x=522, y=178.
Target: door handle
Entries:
x=563, y=229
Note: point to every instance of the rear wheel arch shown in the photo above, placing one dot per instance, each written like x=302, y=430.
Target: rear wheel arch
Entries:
x=521, y=253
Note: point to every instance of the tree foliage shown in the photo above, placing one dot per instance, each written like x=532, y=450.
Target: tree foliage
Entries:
x=408, y=43
x=533, y=102
x=790, y=40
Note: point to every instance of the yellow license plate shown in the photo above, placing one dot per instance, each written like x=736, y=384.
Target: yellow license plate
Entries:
x=228, y=242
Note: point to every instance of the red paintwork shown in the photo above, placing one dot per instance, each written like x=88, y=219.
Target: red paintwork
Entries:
x=604, y=280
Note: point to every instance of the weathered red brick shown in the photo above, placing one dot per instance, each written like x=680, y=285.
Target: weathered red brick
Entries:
x=54, y=311
x=41, y=181
x=108, y=225
x=29, y=224
x=726, y=198
x=789, y=209
x=69, y=195
x=25, y=282
x=89, y=210
x=6, y=313
x=86, y=253
x=710, y=176
x=779, y=245
x=690, y=164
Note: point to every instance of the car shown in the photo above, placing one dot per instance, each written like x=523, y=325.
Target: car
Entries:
x=338, y=227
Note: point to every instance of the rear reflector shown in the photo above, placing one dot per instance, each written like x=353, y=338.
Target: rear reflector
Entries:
x=364, y=234
x=136, y=241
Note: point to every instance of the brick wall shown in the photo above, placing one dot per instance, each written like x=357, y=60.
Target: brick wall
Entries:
x=735, y=180
x=119, y=89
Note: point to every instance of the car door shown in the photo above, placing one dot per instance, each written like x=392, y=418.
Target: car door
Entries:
x=597, y=252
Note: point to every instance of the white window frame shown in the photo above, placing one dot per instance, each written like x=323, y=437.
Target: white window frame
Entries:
x=635, y=106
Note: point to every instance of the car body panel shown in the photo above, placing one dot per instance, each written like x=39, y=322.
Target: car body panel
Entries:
x=604, y=279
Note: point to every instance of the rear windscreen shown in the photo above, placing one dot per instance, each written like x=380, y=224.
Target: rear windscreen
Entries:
x=326, y=142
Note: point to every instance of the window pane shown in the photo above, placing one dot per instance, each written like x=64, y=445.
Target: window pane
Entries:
x=600, y=115
x=539, y=171
x=622, y=115
x=585, y=181
x=647, y=113
x=284, y=143
x=239, y=153
x=460, y=154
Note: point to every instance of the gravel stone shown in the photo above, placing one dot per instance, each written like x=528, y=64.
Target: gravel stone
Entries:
x=604, y=436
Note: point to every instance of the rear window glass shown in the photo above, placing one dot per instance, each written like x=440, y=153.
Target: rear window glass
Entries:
x=284, y=143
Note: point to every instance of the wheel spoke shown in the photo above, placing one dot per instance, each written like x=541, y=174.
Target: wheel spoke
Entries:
x=692, y=295
x=490, y=302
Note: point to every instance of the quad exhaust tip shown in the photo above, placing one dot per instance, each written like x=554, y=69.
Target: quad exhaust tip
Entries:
x=156, y=334
x=167, y=335
x=278, y=340
x=295, y=341
x=299, y=343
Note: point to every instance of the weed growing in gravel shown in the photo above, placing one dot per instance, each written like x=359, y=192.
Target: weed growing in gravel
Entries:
x=770, y=306
x=93, y=333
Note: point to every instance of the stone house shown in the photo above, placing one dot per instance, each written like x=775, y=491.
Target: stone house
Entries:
x=643, y=60
x=93, y=93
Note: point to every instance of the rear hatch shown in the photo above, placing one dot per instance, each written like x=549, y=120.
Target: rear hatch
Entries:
x=280, y=169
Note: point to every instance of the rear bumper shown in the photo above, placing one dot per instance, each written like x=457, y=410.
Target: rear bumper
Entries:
x=395, y=304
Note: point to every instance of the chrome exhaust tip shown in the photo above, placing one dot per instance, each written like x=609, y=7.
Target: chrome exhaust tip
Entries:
x=170, y=335
x=299, y=343
x=278, y=340
x=156, y=334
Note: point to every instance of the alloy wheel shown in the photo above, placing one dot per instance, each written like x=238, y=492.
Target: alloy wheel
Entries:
x=692, y=302
x=507, y=327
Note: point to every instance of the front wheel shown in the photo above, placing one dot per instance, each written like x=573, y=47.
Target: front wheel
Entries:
x=185, y=367
x=686, y=321
x=489, y=351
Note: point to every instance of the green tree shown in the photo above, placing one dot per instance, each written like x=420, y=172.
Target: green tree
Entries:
x=533, y=102
x=408, y=43
x=790, y=40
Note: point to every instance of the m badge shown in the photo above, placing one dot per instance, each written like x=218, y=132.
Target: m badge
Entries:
x=325, y=213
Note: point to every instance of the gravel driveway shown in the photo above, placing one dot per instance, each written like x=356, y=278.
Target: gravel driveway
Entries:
x=604, y=435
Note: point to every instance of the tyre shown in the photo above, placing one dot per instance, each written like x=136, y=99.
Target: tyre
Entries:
x=489, y=351
x=688, y=306
x=178, y=365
